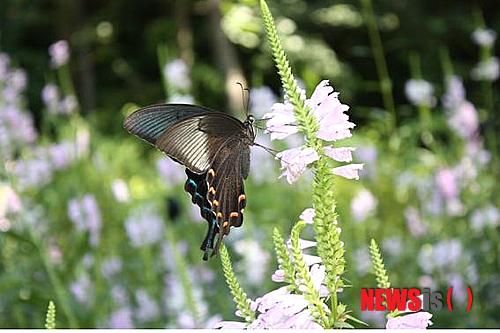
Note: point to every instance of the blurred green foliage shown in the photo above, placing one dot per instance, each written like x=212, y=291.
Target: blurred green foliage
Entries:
x=114, y=66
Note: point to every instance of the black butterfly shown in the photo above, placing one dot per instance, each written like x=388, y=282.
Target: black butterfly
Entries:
x=215, y=149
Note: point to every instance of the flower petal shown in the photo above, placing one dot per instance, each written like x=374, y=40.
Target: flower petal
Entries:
x=311, y=260
x=294, y=162
x=281, y=121
x=278, y=276
x=341, y=154
x=419, y=320
x=230, y=325
x=349, y=171
x=307, y=215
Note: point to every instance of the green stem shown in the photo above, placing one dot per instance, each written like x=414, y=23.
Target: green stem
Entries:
x=380, y=62
x=61, y=293
x=64, y=75
x=183, y=275
x=446, y=63
x=424, y=111
x=162, y=60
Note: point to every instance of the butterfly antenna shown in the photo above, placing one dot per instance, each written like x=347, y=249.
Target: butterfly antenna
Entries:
x=246, y=101
x=271, y=151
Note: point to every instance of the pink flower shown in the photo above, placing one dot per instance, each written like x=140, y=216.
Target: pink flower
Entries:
x=486, y=70
x=307, y=215
x=121, y=318
x=278, y=276
x=329, y=112
x=295, y=161
x=447, y=184
x=230, y=325
x=50, y=97
x=120, y=190
x=59, y=53
x=261, y=100
x=280, y=309
x=484, y=37
x=281, y=121
x=414, y=222
x=342, y=154
x=455, y=92
x=465, y=120
x=325, y=106
x=419, y=320
x=363, y=205
x=170, y=172
x=420, y=93
x=349, y=171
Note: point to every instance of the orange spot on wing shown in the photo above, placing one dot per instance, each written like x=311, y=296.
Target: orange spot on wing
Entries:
x=234, y=214
x=242, y=197
x=225, y=224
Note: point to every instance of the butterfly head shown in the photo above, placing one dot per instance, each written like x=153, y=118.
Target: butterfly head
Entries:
x=250, y=120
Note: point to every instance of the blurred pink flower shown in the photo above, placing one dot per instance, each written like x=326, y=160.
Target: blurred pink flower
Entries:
x=170, y=172
x=68, y=105
x=144, y=226
x=176, y=73
x=261, y=100
x=294, y=162
x=111, y=266
x=462, y=115
x=363, y=205
x=420, y=93
x=484, y=37
x=59, y=53
x=121, y=318
x=454, y=94
x=349, y=171
x=447, y=183
x=50, y=97
x=414, y=222
x=418, y=320
x=85, y=214
x=83, y=289
x=120, y=190
x=62, y=154
x=147, y=308
x=255, y=260
x=486, y=70
x=465, y=120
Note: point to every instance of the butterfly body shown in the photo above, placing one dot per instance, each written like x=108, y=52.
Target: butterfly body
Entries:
x=215, y=149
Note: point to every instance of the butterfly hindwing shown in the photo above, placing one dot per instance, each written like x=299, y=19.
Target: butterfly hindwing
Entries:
x=226, y=192
x=196, y=185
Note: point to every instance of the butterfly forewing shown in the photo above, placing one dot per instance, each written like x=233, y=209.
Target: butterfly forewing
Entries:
x=149, y=123
x=195, y=141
